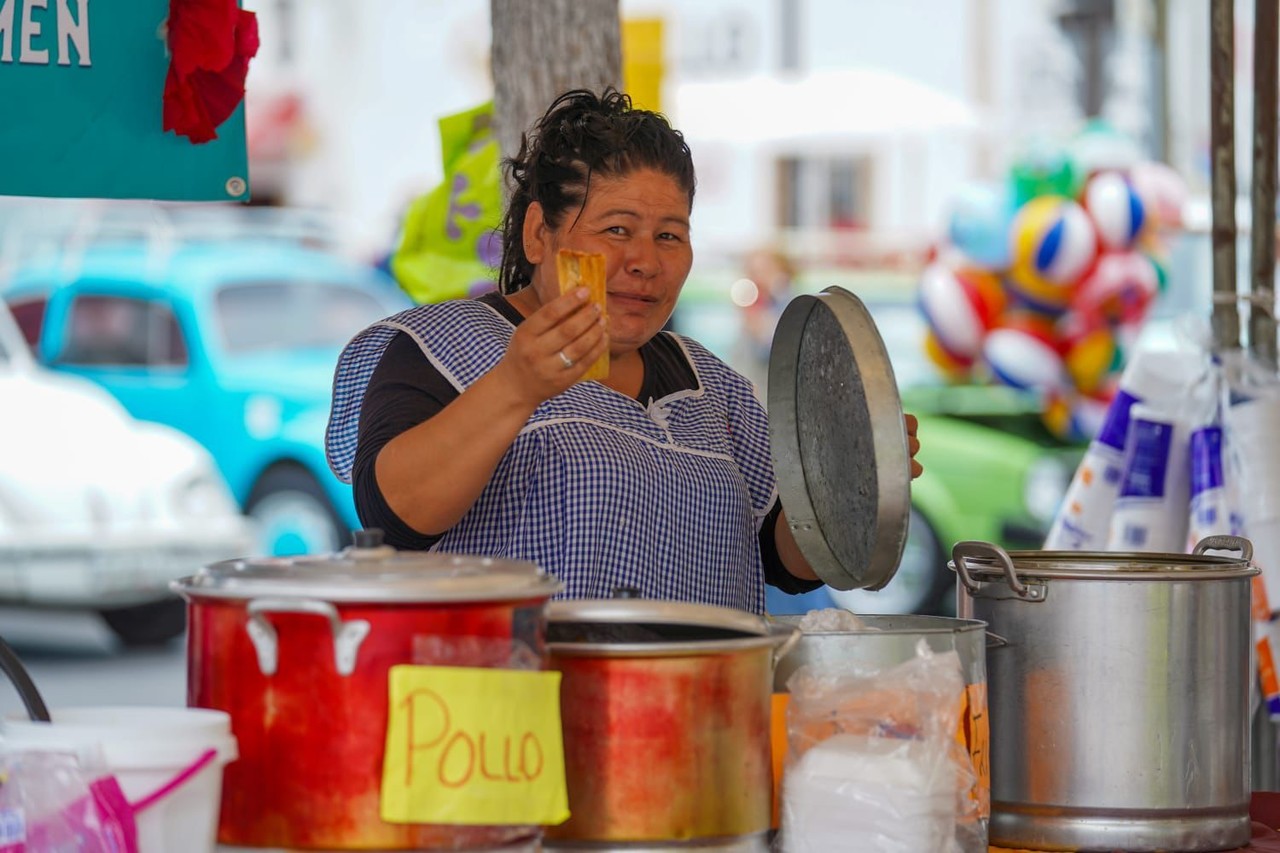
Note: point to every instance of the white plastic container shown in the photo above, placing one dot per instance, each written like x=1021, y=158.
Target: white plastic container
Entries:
x=146, y=749
x=1151, y=511
x=1254, y=457
x=1159, y=379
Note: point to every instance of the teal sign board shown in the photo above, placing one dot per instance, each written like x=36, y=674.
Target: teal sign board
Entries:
x=81, y=102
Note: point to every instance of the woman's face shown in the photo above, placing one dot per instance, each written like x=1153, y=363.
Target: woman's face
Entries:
x=640, y=223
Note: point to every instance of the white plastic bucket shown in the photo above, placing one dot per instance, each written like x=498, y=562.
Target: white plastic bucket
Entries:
x=147, y=749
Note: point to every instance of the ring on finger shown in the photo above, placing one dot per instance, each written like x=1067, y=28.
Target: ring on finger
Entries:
x=565, y=360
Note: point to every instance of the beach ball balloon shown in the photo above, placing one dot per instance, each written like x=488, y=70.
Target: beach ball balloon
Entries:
x=1043, y=169
x=978, y=224
x=1119, y=289
x=1099, y=147
x=1023, y=353
x=1056, y=415
x=1088, y=352
x=1075, y=417
x=1053, y=242
x=960, y=305
x=1090, y=413
x=952, y=367
x=1162, y=190
x=1116, y=208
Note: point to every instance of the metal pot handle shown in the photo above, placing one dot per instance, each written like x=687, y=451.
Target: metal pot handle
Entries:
x=780, y=651
x=1225, y=543
x=347, y=636
x=990, y=551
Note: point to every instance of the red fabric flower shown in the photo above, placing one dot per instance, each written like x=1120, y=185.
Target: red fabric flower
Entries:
x=210, y=45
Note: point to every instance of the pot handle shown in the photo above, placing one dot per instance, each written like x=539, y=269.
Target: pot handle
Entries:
x=1225, y=543
x=347, y=636
x=780, y=651
x=990, y=551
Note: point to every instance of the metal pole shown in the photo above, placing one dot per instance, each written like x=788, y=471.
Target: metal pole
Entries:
x=1262, y=255
x=1226, y=316
x=1262, y=298
x=1161, y=34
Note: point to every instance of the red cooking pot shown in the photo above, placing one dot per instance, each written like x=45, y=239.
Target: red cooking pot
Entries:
x=297, y=651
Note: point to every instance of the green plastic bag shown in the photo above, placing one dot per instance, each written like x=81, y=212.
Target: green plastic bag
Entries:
x=449, y=246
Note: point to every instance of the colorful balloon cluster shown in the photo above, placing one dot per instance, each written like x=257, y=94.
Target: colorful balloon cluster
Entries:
x=1044, y=282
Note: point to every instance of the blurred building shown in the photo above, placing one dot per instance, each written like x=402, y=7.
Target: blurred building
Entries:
x=344, y=97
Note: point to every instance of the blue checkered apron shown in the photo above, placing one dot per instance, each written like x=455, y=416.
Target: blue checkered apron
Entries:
x=601, y=491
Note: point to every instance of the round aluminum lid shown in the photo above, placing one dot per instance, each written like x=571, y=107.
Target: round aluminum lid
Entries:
x=839, y=440
x=372, y=575
x=634, y=627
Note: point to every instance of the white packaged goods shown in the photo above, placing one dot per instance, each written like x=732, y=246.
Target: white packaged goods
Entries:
x=1214, y=500
x=1253, y=448
x=1155, y=378
x=1150, y=512
x=870, y=794
x=1211, y=509
x=830, y=620
x=873, y=762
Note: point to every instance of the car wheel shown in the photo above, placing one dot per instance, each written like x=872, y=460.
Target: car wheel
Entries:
x=148, y=624
x=293, y=515
x=920, y=584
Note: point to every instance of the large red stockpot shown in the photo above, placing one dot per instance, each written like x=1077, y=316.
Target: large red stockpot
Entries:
x=297, y=651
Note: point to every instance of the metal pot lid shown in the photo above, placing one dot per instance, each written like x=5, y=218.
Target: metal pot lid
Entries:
x=371, y=574
x=987, y=562
x=632, y=627
x=839, y=440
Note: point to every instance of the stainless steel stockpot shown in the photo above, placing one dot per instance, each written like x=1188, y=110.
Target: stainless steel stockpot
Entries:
x=1118, y=687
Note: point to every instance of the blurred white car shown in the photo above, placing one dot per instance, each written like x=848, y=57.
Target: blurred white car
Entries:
x=99, y=511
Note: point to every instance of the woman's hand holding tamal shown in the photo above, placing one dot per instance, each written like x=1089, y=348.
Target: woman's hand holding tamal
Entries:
x=554, y=347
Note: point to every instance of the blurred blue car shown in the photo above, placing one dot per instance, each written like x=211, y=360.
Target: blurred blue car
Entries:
x=233, y=342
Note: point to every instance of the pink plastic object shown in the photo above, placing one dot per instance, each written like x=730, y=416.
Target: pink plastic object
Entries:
x=101, y=822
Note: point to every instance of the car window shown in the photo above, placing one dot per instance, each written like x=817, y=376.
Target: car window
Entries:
x=29, y=315
x=267, y=315
x=113, y=330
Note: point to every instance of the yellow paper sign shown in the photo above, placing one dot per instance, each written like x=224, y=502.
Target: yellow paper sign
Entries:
x=474, y=746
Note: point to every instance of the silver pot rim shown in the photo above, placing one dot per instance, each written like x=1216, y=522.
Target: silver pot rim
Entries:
x=984, y=561
x=379, y=575
x=758, y=633
x=1113, y=565
x=892, y=624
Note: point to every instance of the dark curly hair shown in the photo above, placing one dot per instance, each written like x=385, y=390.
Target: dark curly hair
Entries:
x=580, y=135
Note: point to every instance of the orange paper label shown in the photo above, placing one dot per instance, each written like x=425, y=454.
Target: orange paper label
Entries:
x=974, y=733
x=778, y=738
x=1260, y=606
x=1267, y=669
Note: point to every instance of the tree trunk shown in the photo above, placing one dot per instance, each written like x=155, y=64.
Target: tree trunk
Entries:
x=542, y=48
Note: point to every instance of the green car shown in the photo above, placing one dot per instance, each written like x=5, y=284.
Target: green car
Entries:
x=992, y=470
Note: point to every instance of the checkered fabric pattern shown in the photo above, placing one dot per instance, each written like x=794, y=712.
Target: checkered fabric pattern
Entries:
x=601, y=491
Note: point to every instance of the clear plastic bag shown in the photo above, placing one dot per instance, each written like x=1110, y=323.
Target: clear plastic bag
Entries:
x=54, y=801
x=874, y=764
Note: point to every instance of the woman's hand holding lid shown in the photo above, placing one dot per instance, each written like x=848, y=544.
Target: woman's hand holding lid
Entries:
x=913, y=445
x=554, y=347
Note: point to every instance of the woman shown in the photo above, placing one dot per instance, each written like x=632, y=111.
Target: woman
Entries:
x=464, y=428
